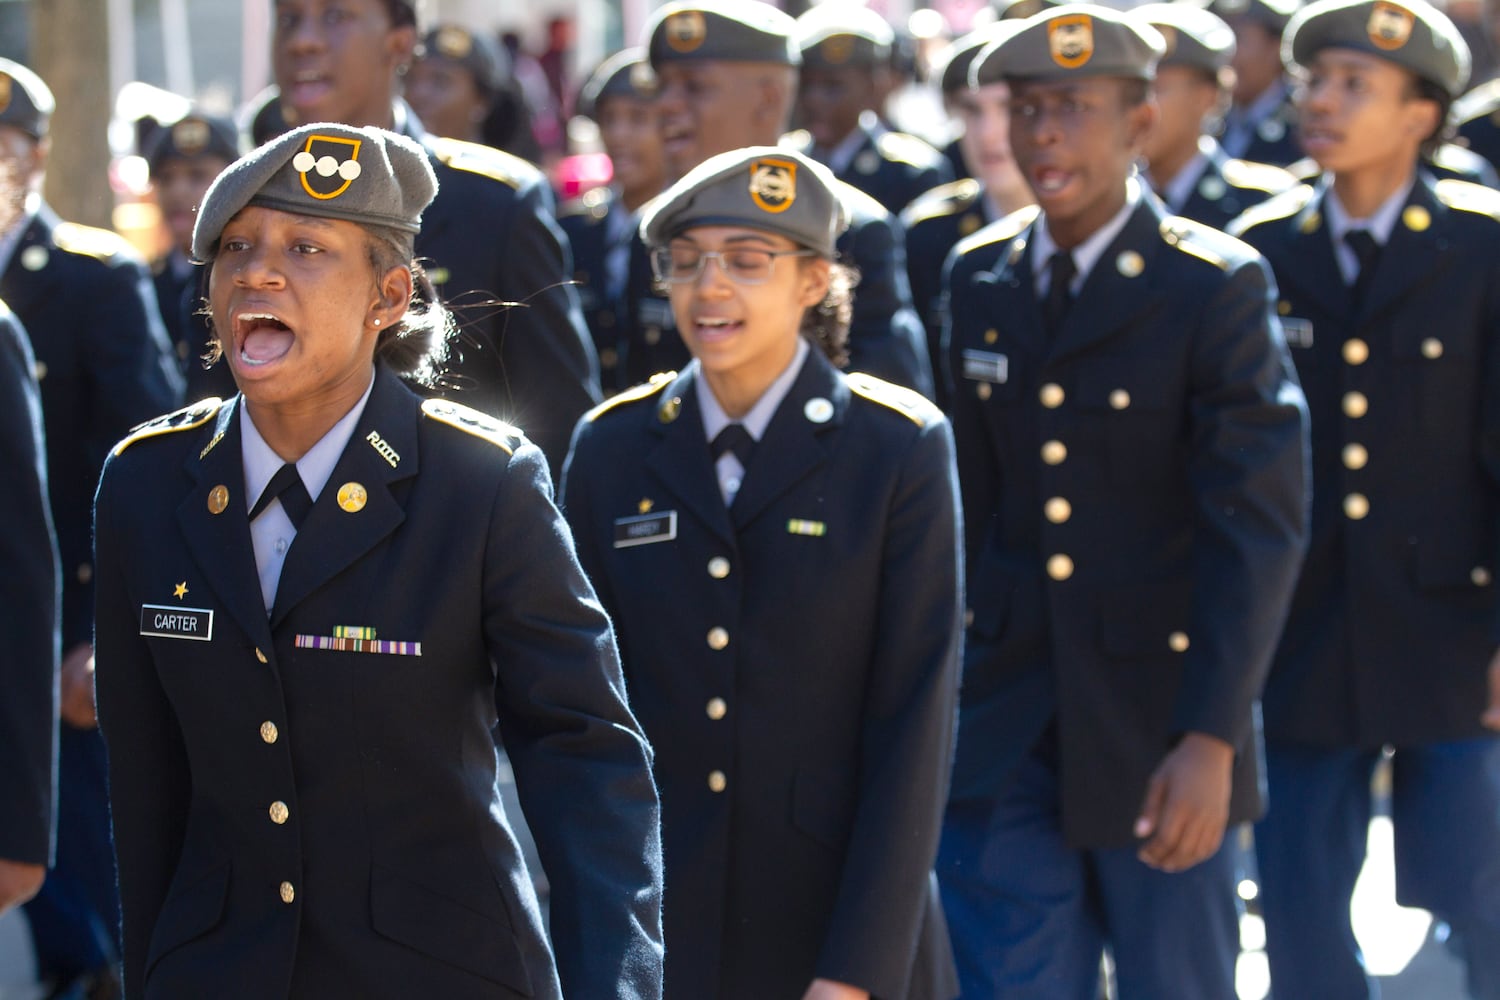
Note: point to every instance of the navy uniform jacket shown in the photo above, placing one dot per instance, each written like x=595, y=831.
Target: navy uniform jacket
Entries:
x=885, y=334
x=1136, y=499
x=1393, y=622
x=1227, y=187
x=181, y=299
x=892, y=167
x=103, y=363
x=293, y=820
x=586, y=222
x=1478, y=116
x=954, y=154
x=28, y=595
x=1274, y=139
x=794, y=662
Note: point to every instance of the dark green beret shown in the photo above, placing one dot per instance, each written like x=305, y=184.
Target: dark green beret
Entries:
x=191, y=136
x=364, y=175
x=1071, y=42
x=1019, y=10
x=1411, y=34
x=729, y=30
x=26, y=102
x=480, y=55
x=624, y=74
x=1272, y=15
x=833, y=36
x=1196, y=38
x=760, y=187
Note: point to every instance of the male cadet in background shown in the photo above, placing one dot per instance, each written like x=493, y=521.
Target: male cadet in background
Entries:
x=1390, y=293
x=727, y=78
x=1131, y=447
x=1188, y=169
x=489, y=237
x=184, y=159
x=103, y=364
x=601, y=226
x=1261, y=125
x=846, y=66
x=940, y=218
x=28, y=609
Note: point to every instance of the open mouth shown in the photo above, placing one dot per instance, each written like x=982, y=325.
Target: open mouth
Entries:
x=262, y=338
x=715, y=328
x=307, y=87
x=1050, y=180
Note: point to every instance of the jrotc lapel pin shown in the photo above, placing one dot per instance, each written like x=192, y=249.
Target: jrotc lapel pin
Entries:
x=1271, y=130
x=669, y=410
x=1310, y=223
x=34, y=258
x=1416, y=218
x=352, y=497
x=218, y=499
x=818, y=410
x=1212, y=188
x=867, y=162
x=1130, y=264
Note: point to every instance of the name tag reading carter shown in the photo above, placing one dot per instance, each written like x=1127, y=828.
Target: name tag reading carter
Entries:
x=645, y=529
x=177, y=623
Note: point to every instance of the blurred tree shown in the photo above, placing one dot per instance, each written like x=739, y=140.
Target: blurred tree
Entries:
x=70, y=50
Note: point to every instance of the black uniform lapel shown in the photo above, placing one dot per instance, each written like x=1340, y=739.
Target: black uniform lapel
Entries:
x=680, y=459
x=23, y=285
x=1118, y=287
x=1311, y=268
x=1416, y=248
x=214, y=522
x=794, y=443
x=1009, y=291
x=381, y=452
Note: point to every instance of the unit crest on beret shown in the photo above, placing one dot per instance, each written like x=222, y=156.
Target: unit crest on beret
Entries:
x=185, y=419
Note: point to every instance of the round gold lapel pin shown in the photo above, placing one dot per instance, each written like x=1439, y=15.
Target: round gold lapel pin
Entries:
x=352, y=497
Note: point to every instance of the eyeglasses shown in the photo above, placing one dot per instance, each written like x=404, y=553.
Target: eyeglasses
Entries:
x=681, y=265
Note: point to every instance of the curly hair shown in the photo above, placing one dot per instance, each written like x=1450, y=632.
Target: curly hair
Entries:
x=826, y=324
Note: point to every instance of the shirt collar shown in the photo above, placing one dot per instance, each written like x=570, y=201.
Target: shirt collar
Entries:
x=315, y=467
x=1087, y=253
x=1379, y=224
x=759, y=418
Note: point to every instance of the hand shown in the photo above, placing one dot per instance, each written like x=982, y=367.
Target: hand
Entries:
x=1187, y=804
x=77, y=688
x=1491, y=716
x=19, y=882
x=827, y=989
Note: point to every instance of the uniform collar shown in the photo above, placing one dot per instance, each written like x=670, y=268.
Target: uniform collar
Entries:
x=1087, y=253
x=759, y=417
x=314, y=468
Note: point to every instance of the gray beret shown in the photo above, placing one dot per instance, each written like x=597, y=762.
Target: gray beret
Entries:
x=25, y=101
x=1196, y=38
x=191, y=136
x=833, y=36
x=1072, y=42
x=759, y=187
x=1411, y=34
x=480, y=55
x=1272, y=15
x=364, y=175
x=741, y=31
x=989, y=36
x=1019, y=10
x=624, y=74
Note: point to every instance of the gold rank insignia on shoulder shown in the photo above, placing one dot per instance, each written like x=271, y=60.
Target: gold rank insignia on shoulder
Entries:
x=481, y=425
x=184, y=419
x=801, y=526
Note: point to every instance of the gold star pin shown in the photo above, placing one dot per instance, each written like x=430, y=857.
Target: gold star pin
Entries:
x=180, y=591
x=645, y=505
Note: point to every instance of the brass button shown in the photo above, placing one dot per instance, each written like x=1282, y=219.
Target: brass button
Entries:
x=1058, y=510
x=85, y=572
x=609, y=357
x=1355, y=405
x=968, y=617
x=1054, y=453
x=259, y=655
x=1356, y=352
x=653, y=335
x=991, y=335
x=1178, y=642
x=718, y=638
x=1119, y=400
x=268, y=732
x=718, y=567
x=1284, y=308
x=1432, y=348
x=717, y=782
x=40, y=370
x=717, y=708
x=1356, y=456
x=1356, y=506
x=1059, y=567
x=983, y=390
x=1480, y=576
x=287, y=892
x=279, y=812
x=1052, y=395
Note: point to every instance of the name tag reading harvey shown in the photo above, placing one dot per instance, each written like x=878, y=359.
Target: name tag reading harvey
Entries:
x=177, y=623
x=1299, y=332
x=986, y=366
x=644, y=529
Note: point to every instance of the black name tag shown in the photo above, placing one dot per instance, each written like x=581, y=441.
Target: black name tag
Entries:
x=1299, y=332
x=986, y=366
x=177, y=623
x=645, y=529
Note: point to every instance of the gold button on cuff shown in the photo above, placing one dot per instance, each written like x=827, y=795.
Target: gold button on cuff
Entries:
x=279, y=812
x=1059, y=567
x=983, y=390
x=1432, y=348
x=268, y=732
x=718, y=567
x=717, y=782
x=1178, y=642
x=718, y=638
x=1356, y=352
x=1356, y=506
x=259, y=655
x=1355, y=405
x=1480, y=576
x=1119, y=400
x=1054, y=453
x=288, y=894
x=1356, y=456
x=1058, y=510
x=1052, y=395
x=717, y=709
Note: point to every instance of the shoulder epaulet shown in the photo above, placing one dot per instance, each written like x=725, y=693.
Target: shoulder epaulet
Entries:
x=945, y=199
x=487, y=161
x=799, y=139
x=1459, y=159
x=1281, y=206
x=912, y=405
x=1257, y=176
x=592, y=204
x=1204, y=242
x=1007, y=228
x=1468, y=197
x=1482, y=100
x=471, y=421
x=908, y=149
x=100, y=244
x=634, y=394
x=184, y=419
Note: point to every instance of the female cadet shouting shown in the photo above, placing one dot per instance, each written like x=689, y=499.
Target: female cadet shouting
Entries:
x=314, y=601
x=776, y=543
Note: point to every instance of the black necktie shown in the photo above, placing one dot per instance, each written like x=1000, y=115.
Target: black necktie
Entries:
x=287, y=486
x=1367, y=252
x=734, y=438
x=1059, y=295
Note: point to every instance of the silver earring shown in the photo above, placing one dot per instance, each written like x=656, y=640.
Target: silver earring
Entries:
x=377, y=322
